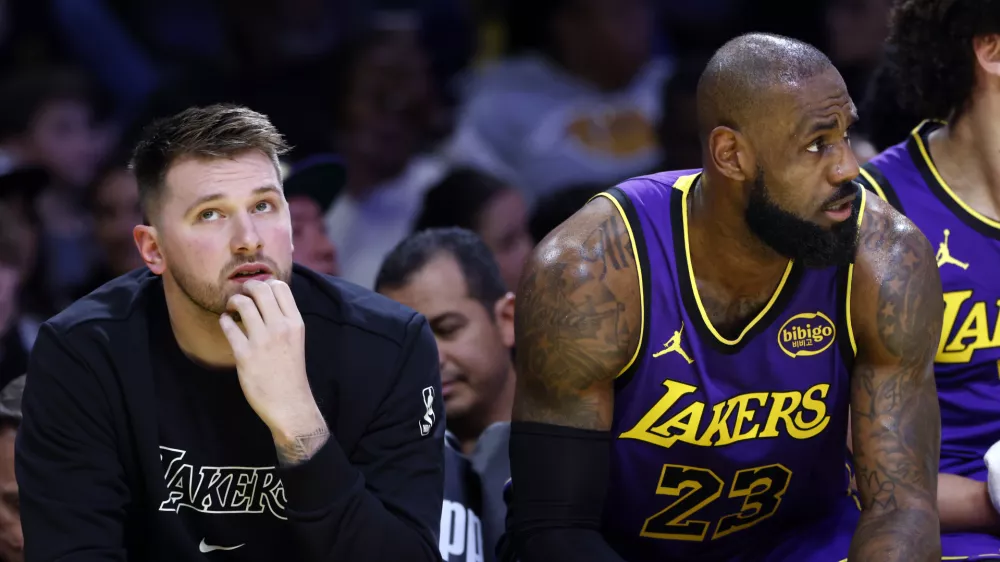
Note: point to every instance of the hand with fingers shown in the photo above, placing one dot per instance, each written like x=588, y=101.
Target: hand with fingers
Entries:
x=270, y=360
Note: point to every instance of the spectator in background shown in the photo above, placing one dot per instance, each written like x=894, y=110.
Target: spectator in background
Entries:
x=496, y=212
x=17, y=329
x=19, y=191
x=883, y=119
x=677, y=130
x=555, y=208
x=700, y=26
x=10, y=271
x=856, y=31
x=23, y=300
x=310, y=188
x=47, y=120
x=11, y=539
x=383, y=119
x=113, y=200
x=13, y=351
x=20, y=188
x=448, y=30
x=577, y=99
x=449, y=276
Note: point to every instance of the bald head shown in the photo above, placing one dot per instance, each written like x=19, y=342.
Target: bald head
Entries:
x=739, y=83
x=775, y=119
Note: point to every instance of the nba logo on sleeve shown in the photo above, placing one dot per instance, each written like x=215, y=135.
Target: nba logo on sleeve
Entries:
x=427, y=422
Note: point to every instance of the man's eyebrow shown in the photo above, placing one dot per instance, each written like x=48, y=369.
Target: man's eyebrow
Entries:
x=813, y=127
x=219, y=195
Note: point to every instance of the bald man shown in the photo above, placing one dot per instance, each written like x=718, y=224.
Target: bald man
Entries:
x=691, y=344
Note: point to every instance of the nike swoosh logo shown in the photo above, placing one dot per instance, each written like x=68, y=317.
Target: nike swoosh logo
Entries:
x=203, y=547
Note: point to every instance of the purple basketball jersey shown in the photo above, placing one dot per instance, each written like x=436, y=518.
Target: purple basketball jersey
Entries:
x=723, y=447
x=967, y=364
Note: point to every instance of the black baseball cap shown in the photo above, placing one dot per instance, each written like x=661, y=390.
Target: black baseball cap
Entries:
x=27, y=182
x=320, y=178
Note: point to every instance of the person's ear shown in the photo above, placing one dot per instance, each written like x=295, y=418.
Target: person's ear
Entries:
x=147, y=241
x=503, y=312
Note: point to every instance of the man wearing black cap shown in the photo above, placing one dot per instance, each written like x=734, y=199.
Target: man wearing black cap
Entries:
x=310, y=188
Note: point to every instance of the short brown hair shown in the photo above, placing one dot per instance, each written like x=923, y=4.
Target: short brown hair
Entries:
x=214, y=131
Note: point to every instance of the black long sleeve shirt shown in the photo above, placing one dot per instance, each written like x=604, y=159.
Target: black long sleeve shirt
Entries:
x=126, y=453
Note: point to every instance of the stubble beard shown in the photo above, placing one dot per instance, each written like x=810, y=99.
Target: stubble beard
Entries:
x=213, y=297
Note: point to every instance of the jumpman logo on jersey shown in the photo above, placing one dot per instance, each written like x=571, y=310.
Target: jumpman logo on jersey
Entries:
x=944, y=254
x=673, y=345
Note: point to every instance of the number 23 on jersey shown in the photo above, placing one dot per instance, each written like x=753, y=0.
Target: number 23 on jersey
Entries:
x=695, y=488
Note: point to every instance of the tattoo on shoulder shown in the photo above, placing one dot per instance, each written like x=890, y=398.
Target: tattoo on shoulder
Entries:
x=571, y=323
x=301, y=448
x=909, y=299
x=608, y=245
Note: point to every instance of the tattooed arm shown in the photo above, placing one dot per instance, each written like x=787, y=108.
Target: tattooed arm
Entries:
x=577, y=321
x=297, y=449
x=896, y=425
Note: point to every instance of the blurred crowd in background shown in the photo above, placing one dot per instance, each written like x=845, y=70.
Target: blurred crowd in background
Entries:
x=500, y=116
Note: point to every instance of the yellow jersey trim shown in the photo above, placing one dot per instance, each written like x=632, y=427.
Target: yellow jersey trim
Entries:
x=850, y=278
x=925, y=153
x=684, y=185
x=875, y=185
x=638, y=270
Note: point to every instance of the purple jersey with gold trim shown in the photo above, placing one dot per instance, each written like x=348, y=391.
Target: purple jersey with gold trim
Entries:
x=967, y=364
x=724, y=448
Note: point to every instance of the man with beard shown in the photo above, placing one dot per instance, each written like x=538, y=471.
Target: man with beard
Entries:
x=223, y=403
x=691, y=344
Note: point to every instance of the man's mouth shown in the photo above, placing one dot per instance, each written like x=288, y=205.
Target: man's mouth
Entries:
x=251, y=271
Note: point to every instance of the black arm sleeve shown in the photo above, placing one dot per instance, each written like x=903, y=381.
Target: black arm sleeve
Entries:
x=559, y=478
x=71, y=483
x=384, y=503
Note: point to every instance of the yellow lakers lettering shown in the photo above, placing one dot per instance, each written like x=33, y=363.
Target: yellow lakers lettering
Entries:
x=756, y=415
x=962, y=335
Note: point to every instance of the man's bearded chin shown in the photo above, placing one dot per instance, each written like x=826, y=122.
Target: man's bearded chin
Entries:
x=800, y=239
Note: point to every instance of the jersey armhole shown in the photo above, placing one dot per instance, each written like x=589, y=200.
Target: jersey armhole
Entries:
x=873, y=179
x=849, y=325
x=630, y=218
